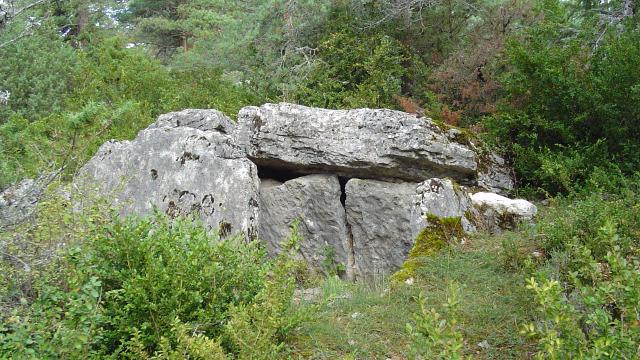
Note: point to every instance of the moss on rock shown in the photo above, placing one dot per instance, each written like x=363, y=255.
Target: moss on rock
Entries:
x=439, y=232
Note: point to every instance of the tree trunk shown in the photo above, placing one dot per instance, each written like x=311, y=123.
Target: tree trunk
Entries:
x=83, y=19
x=184, y=42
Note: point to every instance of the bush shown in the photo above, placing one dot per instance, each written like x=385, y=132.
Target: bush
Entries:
x=354, y=71
x=569, y=106
x=587, y=291
x=153, y=288
x=38, y=74
x=437, y=336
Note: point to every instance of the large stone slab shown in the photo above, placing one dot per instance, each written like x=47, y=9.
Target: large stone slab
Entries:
x=385, y=219
x=182, y=171
x=362, y=143
x=315, y=201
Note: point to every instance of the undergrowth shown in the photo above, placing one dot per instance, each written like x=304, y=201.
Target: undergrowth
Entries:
x=143, y=288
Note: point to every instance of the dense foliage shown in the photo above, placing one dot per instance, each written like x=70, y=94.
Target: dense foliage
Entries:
x=587, y=289
x=573, y=101
x=141, y=288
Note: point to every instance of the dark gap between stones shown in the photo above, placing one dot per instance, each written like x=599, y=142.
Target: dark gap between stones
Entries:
x=278, y=174
x=343, y=192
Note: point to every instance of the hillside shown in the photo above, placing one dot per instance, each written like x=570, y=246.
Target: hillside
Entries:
x=279, y=179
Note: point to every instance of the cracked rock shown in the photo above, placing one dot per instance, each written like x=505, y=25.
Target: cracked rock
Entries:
x=315, y=201
x=180, y=170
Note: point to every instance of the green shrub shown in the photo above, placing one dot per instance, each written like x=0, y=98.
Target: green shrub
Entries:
x=596, y=318
x=579, y=219
x=150, y=288
x=569, y=106
x=259, y=330
x=37, y=73
x=154, y=271
x=436, y=335
x=354, y=71
x=587, y=292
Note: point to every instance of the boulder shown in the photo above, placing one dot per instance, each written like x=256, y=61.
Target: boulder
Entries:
x=385, y=219
x=181, y=171
x=494, y=212
x=18, y=202
x=315, y=201
x=364, y=143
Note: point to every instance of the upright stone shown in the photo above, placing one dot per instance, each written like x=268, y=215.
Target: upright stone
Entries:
x=315, y=201
x=385, y=219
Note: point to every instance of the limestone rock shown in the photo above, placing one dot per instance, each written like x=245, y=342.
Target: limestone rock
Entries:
x=494, y=175
x=205, y=120
x=495, y=212
x=181, y=171
x=18, y=202
x=445, y=198
x=365, y=143
x=315, y=201
x=385, y=219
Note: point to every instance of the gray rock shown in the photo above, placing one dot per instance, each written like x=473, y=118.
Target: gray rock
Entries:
x=315, y=201
x=385, y=218
x=205, y=120
x=494, y=175
x=365, y=143
x=181, y=171
x=18, y=202
x=445, y=198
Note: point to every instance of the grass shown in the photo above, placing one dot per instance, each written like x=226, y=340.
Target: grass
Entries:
x=368, y=321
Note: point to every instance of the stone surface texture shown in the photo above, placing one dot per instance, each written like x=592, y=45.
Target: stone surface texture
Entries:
x=495, y=212
x=494, y=175
x=181, y=171
x=18, y=202
x=385, y=218
x=315, y=201
x=356, y=143
x=205, y=120
x=364, y=143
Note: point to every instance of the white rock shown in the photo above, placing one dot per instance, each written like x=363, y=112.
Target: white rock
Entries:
x=496, y=212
